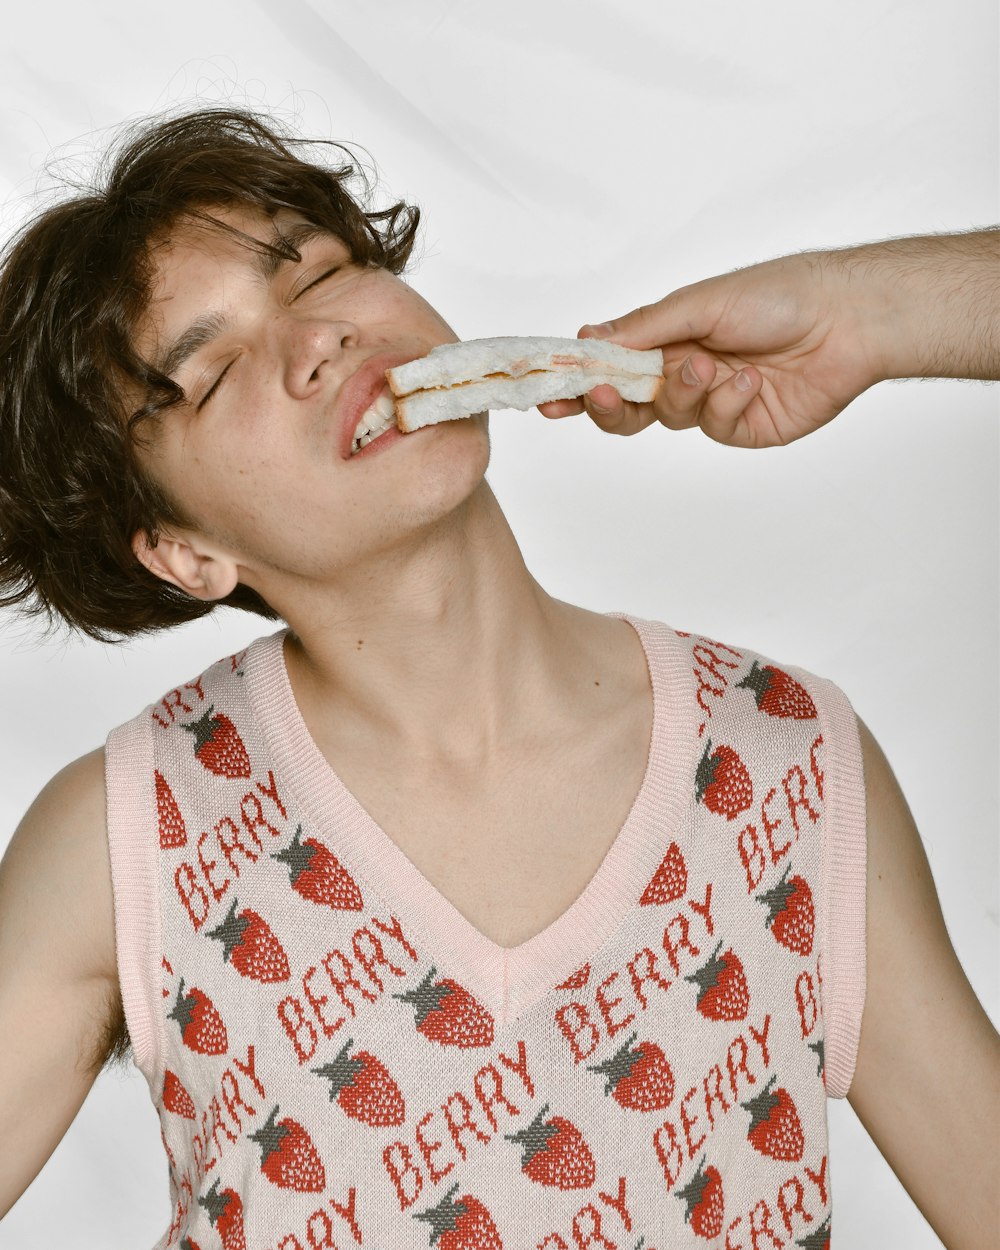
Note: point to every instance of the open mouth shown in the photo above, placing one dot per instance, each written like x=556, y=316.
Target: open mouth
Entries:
x=375, y=421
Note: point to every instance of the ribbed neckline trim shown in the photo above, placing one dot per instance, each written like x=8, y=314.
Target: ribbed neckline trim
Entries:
x=507, y=980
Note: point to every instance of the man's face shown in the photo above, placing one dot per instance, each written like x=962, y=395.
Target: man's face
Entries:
x=279, y=362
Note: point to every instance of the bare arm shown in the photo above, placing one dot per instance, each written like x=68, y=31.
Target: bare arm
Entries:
x=58, y=981
x=768, y=354
x=934, y=301
x=927, y=1081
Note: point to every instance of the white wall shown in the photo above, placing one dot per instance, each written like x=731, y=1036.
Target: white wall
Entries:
x=572, y=161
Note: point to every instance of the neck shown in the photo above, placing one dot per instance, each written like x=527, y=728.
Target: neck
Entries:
x=448, y=646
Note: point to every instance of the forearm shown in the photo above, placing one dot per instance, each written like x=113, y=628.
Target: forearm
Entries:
x=933, y=302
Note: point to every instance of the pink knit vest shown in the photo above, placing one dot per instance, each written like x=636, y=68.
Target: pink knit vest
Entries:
x=340, y=1059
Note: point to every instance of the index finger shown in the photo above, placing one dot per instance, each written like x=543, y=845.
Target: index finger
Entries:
x=684, y=315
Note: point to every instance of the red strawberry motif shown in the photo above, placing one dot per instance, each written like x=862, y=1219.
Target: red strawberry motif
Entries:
x=818, y=1239
x=225, y=1211
x=722, y=782
x=172, y=830
x=705, y=1202
x=669, y=882
x=219, y=746
x=249, y=944
x=775, y=1128
x=723, y=993
x=176, y=1098
x=554, y=1153
x=576, y=980
x=460, y=1224
x=791, y=916
x=318, y=875
x=638, y=1077
x=777, y=694
x=448, y=1014
x=201, y=1025
x=288, y=1157
x=361, y=1085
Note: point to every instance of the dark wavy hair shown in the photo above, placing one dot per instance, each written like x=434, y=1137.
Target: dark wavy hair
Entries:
x=74, y=283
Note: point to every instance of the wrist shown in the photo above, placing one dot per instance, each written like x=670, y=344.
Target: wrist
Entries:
x=878, y=296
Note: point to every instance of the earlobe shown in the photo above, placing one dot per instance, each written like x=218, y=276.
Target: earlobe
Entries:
x=174, y=559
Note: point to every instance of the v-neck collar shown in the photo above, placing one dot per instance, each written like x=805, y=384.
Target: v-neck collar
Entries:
x=507, y=980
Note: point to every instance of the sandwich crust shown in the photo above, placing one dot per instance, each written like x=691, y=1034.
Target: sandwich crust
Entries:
x=458, y=379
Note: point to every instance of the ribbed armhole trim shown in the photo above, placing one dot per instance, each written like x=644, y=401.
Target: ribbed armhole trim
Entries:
x=134, y=849
x=843, y=966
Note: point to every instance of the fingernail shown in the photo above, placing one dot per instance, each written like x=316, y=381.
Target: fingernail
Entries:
x=742, y=381
x=602, y=331
x=599, y=409
x=688, y=374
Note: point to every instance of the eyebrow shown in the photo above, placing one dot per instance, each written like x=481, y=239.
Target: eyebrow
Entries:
x=268, y=262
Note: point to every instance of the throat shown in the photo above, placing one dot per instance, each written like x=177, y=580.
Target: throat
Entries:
x=514, y=846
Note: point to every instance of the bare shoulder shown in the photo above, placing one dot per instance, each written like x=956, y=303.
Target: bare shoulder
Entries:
x=57, y=864
x=927, y=1080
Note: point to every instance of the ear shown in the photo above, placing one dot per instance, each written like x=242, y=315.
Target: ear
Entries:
x=184, y=561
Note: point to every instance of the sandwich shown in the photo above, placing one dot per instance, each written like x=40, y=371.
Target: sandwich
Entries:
x=458, y=379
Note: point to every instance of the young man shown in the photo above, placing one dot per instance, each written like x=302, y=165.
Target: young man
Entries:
x=453, y=914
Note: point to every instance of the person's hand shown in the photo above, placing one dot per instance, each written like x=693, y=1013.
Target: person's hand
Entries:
x=767, y=354
x=756, y=358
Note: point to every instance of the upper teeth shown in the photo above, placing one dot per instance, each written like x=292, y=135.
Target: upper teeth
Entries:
x=375, y=421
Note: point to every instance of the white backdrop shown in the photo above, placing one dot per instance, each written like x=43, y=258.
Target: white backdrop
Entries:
x=572, y=161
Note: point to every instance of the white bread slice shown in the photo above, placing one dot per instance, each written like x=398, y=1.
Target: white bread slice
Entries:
x=458, y=379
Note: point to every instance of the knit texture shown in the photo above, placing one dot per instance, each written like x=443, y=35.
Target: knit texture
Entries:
x=339, y=1058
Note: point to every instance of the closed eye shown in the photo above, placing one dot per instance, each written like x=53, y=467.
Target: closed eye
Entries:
x=215, y=386
x=322, y=278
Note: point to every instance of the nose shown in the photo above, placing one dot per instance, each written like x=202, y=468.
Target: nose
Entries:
x=311, y=348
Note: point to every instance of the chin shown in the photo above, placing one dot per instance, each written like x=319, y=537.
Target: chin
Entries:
x=453, y=476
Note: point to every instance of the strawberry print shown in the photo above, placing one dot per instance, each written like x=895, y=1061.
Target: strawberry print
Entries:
x=818, y=1239
x=554, y=1153
x=775, y=1129
x=669, y=882
x=176, y=1098
x=288, y=1157
x=361, y=1086
x=172, y=830
x=791, y=916
x=777, y=694
x=318, y=875
x=250, y=946
x=704, y=1201
x=576, y=980
x=218, y=745
x=460, y=1224
x=188, y=1244
x=225, y=1212
x=723, y=993
x=638, y=1077
x=722, y=782
x=448, y=1014
x=201, y=1025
